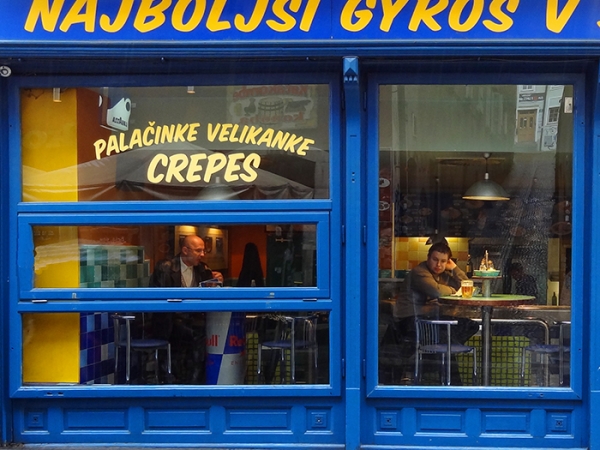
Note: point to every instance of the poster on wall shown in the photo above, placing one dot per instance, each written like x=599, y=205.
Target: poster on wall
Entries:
x=285, y=107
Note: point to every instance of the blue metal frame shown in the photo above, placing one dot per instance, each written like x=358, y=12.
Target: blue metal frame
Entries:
x=5, y=406
x=325, y=214
x=582, y=288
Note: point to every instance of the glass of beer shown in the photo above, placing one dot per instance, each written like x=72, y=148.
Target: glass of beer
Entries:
x=466, y=287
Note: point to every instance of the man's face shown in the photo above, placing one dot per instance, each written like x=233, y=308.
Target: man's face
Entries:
x=436, y=262
x=192, y=252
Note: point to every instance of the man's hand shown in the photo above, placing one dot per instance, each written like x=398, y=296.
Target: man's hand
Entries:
x=450, y=265
x=218, y=276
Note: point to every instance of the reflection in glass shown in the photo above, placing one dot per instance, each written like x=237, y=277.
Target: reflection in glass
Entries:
x=163, y=143
x=141, y=256
x=433, y=144
x=188, y=348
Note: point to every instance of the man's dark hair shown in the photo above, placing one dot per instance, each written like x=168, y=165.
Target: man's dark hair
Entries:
x=515, y=267
x=440, y=247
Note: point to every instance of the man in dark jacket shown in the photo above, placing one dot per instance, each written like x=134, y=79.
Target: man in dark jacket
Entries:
x=185, y=331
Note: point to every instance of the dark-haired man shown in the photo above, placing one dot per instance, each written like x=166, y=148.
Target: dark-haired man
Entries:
x=436, y=277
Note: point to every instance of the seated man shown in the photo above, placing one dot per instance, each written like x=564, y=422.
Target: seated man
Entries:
x=437, y=276
x=185, y=331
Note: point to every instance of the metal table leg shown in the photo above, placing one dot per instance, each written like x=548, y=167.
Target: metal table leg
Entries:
x=486, y=331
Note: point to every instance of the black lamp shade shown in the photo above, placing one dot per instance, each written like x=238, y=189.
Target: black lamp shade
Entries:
x=486, y=189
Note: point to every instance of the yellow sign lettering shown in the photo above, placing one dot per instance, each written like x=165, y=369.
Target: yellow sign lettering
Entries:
x=505, y=21
x=556, y=21
x=113, y=145
x=194, y=167
x=99, y=146
x=82, y=11
x=363, y=16
x=178, y=12
x=151, y=174
x=120, y=19
x=390, y=11
x=423, y=13
x=255, y=19
x=251, y=162
x=457, y=10
x=177, y=163
x=216, y=162
x=233, y=167
x=309, y=14
x=266, y=138
x=224, y=135
x=214, y=22
x=39, y=11
x=150, y=17
x=288, y=21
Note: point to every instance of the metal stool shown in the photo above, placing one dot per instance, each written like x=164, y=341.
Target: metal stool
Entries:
x=545, y=351
x=429, y=334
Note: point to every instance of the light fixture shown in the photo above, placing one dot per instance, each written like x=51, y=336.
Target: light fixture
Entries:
x=217, y=191
x=56, y=95
x=437, y=236
x=486, y=189
x=191, y=89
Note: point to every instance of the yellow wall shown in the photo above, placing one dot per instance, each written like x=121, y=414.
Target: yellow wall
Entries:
x=410, y=251
x=51, y=348
x=49, y=143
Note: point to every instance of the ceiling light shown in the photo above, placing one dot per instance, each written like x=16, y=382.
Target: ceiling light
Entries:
x=486, y=189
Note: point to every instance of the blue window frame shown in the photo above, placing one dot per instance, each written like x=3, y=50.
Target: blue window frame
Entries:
x=321, y=214
x=581, y=150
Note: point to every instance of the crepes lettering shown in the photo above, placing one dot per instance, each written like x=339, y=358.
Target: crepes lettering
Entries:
x=180, y=167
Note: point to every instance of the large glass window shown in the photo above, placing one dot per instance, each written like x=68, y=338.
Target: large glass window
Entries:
x=121, y=256
x=175, y=143
x=184, y=347
x=133, y=265
x=486, y=172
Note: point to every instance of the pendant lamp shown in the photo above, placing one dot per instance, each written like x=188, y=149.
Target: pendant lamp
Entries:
x=486, y=189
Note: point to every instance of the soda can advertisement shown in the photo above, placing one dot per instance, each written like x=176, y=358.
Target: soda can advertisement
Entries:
x=225, y=348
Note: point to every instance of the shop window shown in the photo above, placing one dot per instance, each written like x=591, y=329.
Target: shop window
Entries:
x=180, y=348
x=250, y=142
x=133, y=256
x=518, y=317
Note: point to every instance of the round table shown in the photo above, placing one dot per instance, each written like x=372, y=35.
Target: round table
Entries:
x=487, y=305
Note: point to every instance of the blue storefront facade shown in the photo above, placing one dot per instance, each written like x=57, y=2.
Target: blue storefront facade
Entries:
x=338, y=138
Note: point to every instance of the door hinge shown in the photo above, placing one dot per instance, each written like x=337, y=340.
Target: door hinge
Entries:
x=343, y=234
x=343, y=367
x=365, y=235
x=364, y=368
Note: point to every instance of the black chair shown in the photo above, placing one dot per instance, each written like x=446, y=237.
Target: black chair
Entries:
x=434, y=337
x=146, y=346
x=293, y=333
x=545, y=351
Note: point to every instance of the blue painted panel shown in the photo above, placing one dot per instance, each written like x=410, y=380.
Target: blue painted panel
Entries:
x=176, y=419
x=252, y=419
x=506, y=422
x=440, y=421
x=335, y=20
x=95, y=419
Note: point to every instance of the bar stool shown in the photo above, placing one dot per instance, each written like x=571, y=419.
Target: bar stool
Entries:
x=545, y=351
